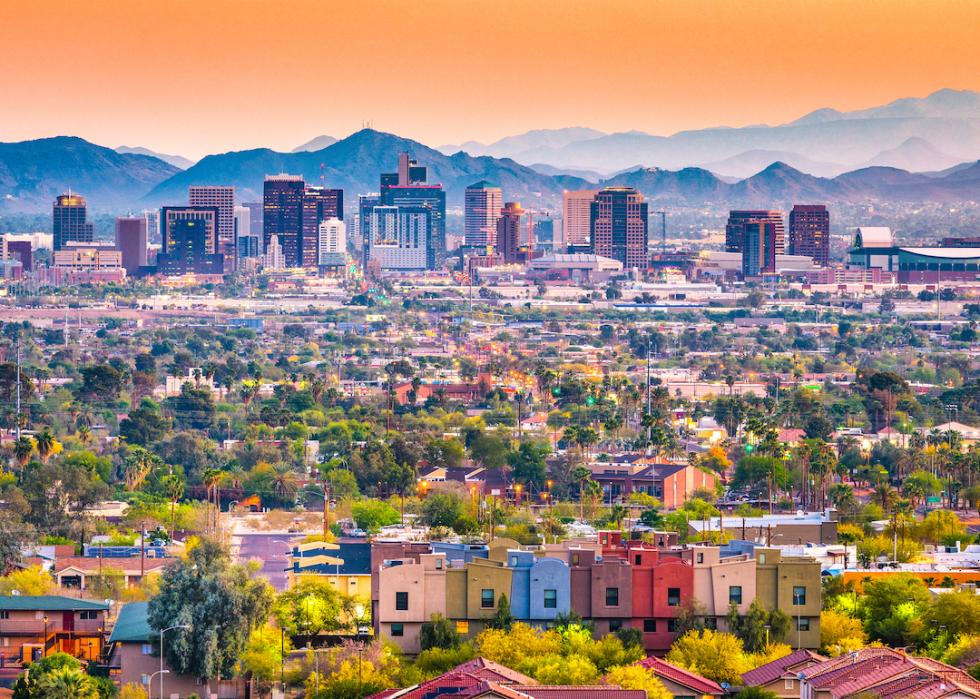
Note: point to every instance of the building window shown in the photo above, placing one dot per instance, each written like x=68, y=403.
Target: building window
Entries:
x=438, y=564
x=789, y=684
x=88, y=614
x=615, y=625
x=574, y=559
x=735, y=594
x=398, y=629
x=462, y=627
x=612, y=596
x=637, y=559
x=672, y=625
x=762, y=559
x=673, y=596
x=700, y=557
x=401, y=601
x=649, y=626
x=803, y=623
x=513, y=561
x=146, y=649
x=799, y=595
x=551, y=599
x=486, y=598
x=4, y=614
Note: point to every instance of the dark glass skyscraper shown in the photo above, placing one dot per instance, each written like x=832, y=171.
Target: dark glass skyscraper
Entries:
x=508, y=238
x=190, y=241
x=758, y=247
x=809, y=232
x=319, y=204
x=618, y=220
x=282, y=214
x=131, y=240
x=408, y=188
x=68, y=218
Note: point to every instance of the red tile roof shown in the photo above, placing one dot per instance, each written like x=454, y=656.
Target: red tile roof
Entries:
x=601, y=691
x=764, y=674
x=661, y=668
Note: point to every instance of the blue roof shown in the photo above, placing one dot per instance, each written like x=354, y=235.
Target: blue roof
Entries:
x=132, y=625
x=48, y=603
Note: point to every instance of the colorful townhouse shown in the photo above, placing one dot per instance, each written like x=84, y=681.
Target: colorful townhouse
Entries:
x=345, y=565
x=36, y=626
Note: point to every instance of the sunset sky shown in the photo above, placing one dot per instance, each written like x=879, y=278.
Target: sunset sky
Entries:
x=199, y=76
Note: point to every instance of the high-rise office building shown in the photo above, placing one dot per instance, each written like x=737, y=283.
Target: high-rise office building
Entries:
x=619, y=224
x=319, y=204
x=152, y=218
x=758, y=247
x=735, y=234
x=190, y=240
x=332, y=242
x=397, y=237
x=282, y=214
x=809, y=232
x=222, y=198
x=508, y=236
x=131, y=241
x=254, y=217
x=365, y=205
x=68, y=216
x=576, y=208
x=543, y=233
x=481, y=207
x=408, y=188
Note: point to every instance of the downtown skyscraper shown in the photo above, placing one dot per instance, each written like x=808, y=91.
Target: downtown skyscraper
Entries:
x=809, y=232
x=408, y=188
x=618, y=221
x=735, y=228
x=68, y=218
x=481, y=207
x=293, y=212
x=223, y=198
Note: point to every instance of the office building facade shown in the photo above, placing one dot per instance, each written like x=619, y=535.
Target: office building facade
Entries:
x=809, y=232
x=576, y=208
x=481, y=207
x=332, y=242
x=618, y=220
x=409, y=188
x=190, y=241
x=319, y=204
x=223, y=199
x=282, y=214
x=758, y=247
x=131, y=241
x=398, y=237
x=508, y=237
x=735, y=228
x=69, y=214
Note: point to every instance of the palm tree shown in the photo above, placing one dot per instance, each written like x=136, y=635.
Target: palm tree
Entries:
x=211, y=478
x=138, y=466
x=45, y=444
x=173, y=486
x=84, y=434
x=283, y=482
x=23, y=448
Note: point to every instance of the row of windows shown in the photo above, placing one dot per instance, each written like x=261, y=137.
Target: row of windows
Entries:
x=550, y=597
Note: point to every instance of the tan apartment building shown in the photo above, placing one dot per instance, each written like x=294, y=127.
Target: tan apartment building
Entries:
x=473, y=593
x=720, y=582
x=792, y=584
x=411, y=592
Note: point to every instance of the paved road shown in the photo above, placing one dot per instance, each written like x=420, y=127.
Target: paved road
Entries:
x=271, y=549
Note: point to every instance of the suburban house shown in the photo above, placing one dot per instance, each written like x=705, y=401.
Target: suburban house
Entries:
x=781, y=676
x=35, y=626
x=681, y=683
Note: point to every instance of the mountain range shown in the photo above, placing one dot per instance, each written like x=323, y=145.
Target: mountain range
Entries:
x=947, y=120
x=33, y=172
x=178, y=161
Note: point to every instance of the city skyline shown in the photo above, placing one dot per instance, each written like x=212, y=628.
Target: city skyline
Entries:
x=689, y=55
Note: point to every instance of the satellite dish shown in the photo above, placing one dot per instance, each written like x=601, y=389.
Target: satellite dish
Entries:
x=15, y=593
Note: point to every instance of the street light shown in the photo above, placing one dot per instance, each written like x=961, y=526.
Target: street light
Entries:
x=149, y=681
x=44, y=644
x=161, y=671
x=316, y=667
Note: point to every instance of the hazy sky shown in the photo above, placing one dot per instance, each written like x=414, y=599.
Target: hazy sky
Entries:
x=199, y=76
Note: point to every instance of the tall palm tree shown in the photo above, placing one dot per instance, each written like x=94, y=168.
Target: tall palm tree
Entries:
x=211, y=478
x=45, y=444
x=23, y=448
x=138, y=466
x=84, y=434
x=173, y=486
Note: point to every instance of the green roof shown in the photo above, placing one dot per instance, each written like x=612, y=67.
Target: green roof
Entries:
x=47, y=603
x=132, y=625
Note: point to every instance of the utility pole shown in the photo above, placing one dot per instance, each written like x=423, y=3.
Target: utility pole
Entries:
x=18, y=388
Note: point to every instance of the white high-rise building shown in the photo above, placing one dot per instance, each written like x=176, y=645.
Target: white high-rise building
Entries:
x=332, y=241
x=274, y=257
x=152, y=218
x=575, y=207
x=224, y=199
x=399, y=236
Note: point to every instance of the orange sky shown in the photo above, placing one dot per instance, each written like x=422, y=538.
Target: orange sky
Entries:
x=198, y=76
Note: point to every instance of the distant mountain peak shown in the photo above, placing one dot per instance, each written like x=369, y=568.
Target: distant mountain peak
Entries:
x=178, y=161
x=315, y=144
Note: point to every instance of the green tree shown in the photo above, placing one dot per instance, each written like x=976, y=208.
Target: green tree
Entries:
x=442, y=509
x=489, y=450
x=716, y=655
x=528, y=464
x=221, y=602
x=371, y=515
x=891, y=608
x=502, y=618
x=313, y=606
x=144, y=425
x=438, y=632
x=100, y=382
